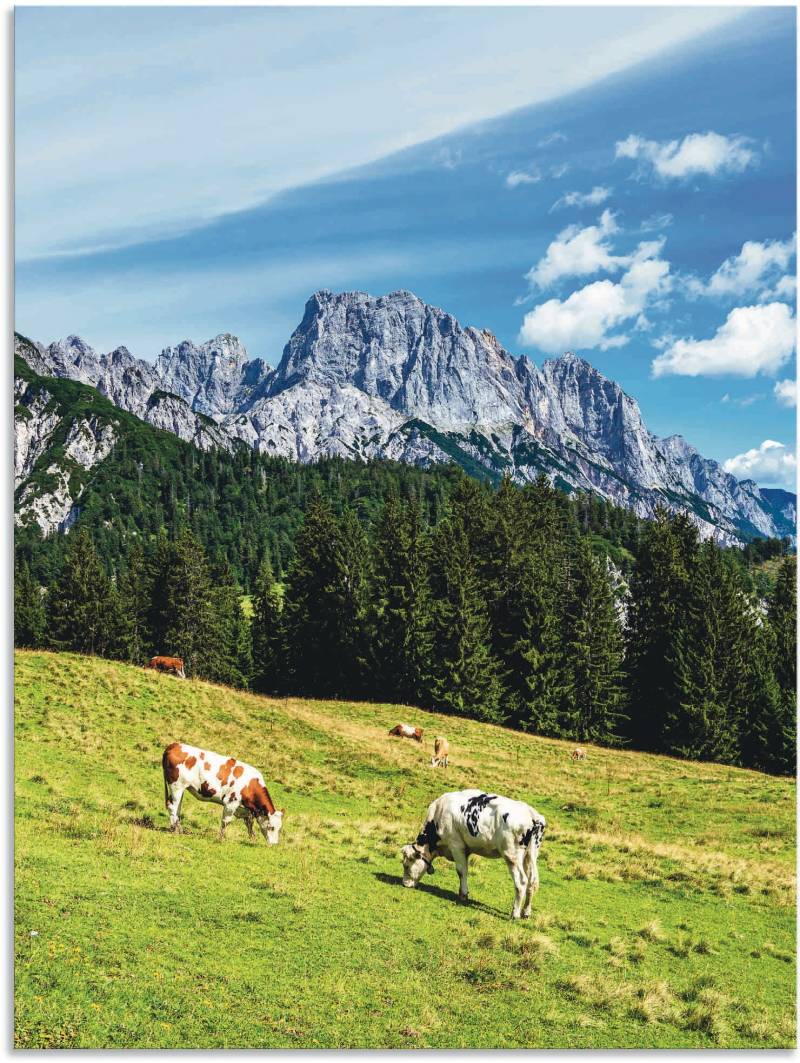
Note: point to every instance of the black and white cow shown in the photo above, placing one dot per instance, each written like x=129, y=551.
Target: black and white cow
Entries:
x=471, y=821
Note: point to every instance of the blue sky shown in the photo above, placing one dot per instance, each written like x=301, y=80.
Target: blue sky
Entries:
x=618, y=181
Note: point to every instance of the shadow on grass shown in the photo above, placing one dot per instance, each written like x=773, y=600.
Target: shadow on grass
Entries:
x=437, y=891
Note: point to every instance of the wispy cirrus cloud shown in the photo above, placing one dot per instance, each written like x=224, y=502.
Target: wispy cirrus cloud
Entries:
x=772, y=463
x=516, y=178
x=698, y=153
x=553, y=138
x=752, y=340
x=597, y=196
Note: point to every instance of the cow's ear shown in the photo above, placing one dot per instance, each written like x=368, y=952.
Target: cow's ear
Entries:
x=283, y=811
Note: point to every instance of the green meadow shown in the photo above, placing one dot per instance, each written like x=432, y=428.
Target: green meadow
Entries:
x=665, y=916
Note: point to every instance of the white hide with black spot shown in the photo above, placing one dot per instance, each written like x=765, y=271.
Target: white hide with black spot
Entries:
x=474, y=822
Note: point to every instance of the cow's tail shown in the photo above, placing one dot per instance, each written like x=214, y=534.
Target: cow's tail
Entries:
x=532, y=852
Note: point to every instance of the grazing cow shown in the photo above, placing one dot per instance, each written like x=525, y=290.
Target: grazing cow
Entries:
x=238, y=787
x=470, y=821
x=172, y=665
x=579, y=754
x=441, y=751
x=405, y=730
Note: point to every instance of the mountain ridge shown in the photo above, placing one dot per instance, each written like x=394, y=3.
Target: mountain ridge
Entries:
x=366, y=377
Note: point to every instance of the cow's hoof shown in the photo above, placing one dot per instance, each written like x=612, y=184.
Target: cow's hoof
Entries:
x=526, y=915
x=462, y=899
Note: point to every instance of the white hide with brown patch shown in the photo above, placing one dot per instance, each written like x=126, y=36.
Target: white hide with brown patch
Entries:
x=226, y=781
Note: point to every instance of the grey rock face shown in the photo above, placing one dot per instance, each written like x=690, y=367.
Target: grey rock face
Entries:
x=364, y=377
x=55, y=508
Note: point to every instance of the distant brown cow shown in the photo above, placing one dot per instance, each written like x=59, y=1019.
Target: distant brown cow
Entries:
x=172, y=665
x=579, y=754
x=404, y=730
x=441, y=751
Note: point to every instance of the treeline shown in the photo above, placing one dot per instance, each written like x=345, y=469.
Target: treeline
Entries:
x=502, y=607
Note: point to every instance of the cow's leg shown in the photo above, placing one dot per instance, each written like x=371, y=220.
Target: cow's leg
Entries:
x=173, y=797
x=248, y=821
x=228, y=812
x=461, y=859
x=520, y=883
x=532, y=869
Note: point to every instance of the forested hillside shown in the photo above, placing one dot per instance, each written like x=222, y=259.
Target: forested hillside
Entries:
x=517, y=605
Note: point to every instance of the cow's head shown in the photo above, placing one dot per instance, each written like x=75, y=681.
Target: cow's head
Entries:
x=415, y=864
x=270, y=824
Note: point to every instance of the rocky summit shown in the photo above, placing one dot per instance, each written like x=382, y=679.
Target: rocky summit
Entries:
x=364, y=377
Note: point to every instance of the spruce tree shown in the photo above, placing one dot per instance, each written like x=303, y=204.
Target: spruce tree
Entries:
x=325, y=604
x=702, y=721
x=466, y=677
x=30, y=622
x=659, y=596
x=400, y=608
x=135, y=597
x=189, y=608
x=269, y=653
x=592, y=654
x=82, y=604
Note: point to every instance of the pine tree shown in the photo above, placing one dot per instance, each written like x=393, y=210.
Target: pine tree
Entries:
x=189, y=607
x=325, y=606
x=702, y=722
x=30, y=622
x=782, y=617
x=593, y=652
x=135, y=597
x=466, y=677
x=269, y=652
x=400, y=612
x=659, y=595
x=83, y=606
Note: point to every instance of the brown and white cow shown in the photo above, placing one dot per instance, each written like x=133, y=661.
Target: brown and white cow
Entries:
x=578, y=753
x=172, y=665
x=229, y=782
x=405, y=730
x=441, y=751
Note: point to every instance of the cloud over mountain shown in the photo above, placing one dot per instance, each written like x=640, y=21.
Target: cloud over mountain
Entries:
x=771, y=463
x=752, y=340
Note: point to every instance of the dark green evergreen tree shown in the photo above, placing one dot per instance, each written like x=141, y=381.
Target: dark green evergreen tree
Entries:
x=400, y=613
x=592, y=654
x=466, y=677
x=190, y=608
x=135, y=597
x=30, y=622
x=659, y=597
x=325, y=605
x=83, y=610
x=269, y=650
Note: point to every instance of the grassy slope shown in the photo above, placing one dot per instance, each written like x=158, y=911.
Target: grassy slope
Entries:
x=664, y=918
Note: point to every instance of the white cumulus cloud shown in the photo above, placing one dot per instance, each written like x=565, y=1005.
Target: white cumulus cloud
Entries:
x=756, y=266
x=577, y=252
x=698, y=153
x=588, y=315
x=598, y=195
x=753, y=339
x=772, y=464
x=523, y=177
x=785, y=392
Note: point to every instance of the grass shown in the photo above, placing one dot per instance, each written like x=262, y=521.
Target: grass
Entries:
x=665, y=915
